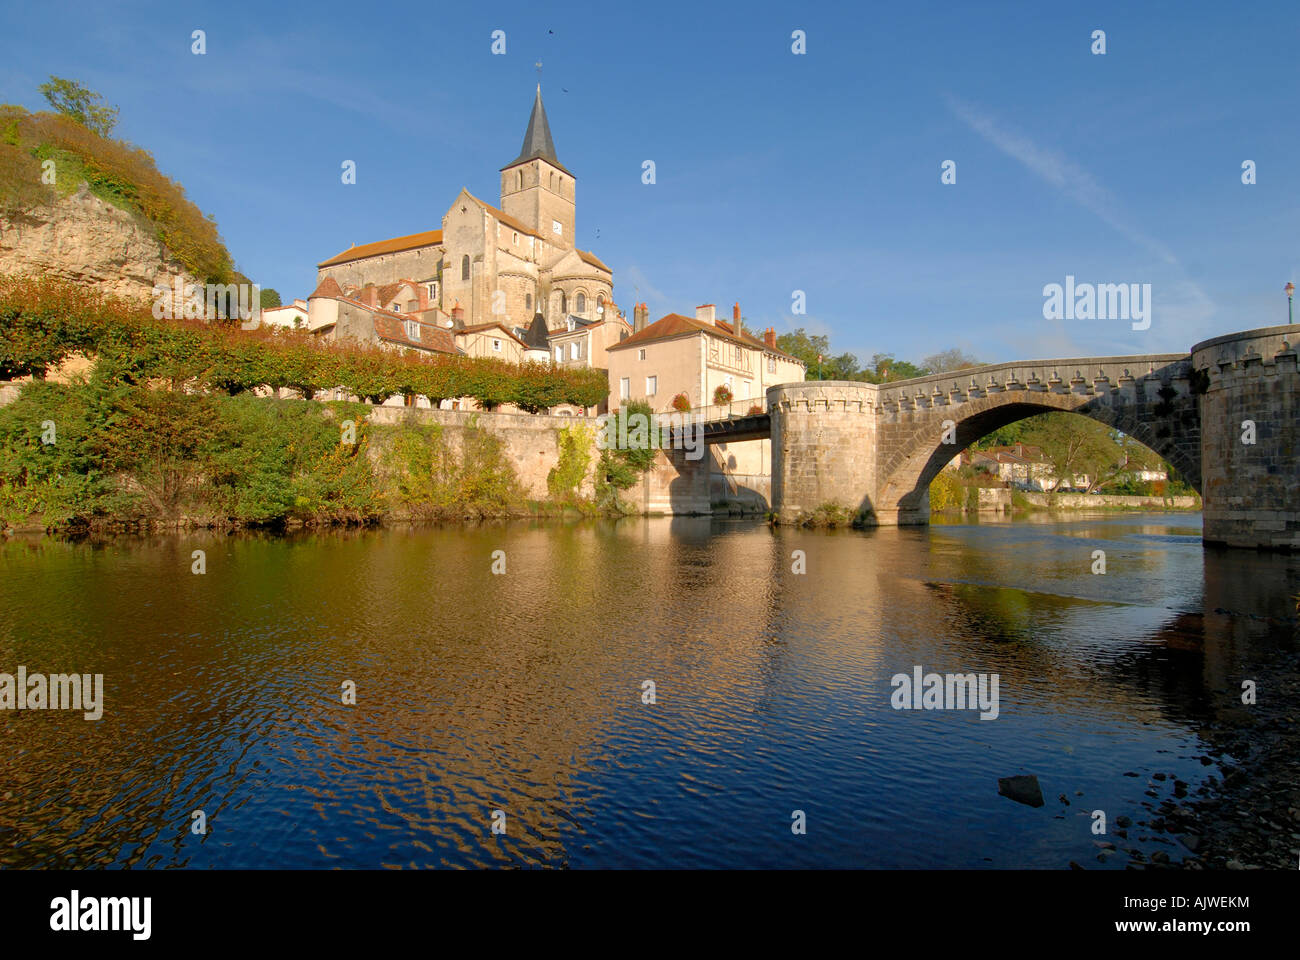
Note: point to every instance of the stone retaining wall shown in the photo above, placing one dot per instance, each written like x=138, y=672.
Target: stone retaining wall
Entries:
x=1083, y=501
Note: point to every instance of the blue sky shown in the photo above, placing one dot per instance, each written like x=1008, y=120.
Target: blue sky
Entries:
x=775, y=172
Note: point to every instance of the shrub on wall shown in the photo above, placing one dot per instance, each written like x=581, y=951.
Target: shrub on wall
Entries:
x=722, y=394
x=682, y=403
x=565, y=478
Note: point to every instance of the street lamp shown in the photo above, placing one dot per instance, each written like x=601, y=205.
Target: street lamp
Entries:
x=1290, y=289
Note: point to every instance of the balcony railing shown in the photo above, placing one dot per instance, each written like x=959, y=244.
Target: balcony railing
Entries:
x=755, y=406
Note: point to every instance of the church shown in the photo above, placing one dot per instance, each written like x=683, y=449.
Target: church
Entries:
x=500, y=281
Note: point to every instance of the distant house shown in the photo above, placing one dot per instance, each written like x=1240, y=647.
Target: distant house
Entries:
x=1021, y=465
x=291, y=315
x=695, y=356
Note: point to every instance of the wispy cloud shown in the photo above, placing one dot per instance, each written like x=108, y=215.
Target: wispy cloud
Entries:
x=632, y=276
x=1190, y=305
x=1061, y=172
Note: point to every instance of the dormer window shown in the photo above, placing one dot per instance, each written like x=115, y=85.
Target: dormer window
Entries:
x=397, y=308
x=412, y=329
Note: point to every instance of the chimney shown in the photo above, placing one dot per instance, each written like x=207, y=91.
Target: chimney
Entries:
x=735, y=319
x=706, y=314
x=769, y=337
x=371, y=295
x=457, y=315
x=639, y=318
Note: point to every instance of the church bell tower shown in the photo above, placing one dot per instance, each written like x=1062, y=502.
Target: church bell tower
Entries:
x=537, y=189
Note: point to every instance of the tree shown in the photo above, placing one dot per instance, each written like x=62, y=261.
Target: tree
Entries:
x=1075, y=445
x=76, y=101
x=270, y=297
x=949, y=360
x=804, y=347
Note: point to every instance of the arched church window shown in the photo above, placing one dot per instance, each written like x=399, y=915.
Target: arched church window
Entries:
x=581, y=305
x=464, y=267
x=564, y=303
x=528, y=302
x=521, y=179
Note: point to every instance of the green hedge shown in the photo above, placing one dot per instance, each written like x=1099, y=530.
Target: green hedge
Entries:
x=42, y=322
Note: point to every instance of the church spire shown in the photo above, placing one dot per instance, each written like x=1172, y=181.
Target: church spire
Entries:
x=537, y=138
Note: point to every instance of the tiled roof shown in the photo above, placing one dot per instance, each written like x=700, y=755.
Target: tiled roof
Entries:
x=329, y=287
x=675, y=325
x=592, y=259
x=392, y=327
x=411, y=241
x=484, y=327
x=505, y=218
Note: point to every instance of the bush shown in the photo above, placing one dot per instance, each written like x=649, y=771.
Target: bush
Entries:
x=946, y=494
x=828, y=515
x=435, y=481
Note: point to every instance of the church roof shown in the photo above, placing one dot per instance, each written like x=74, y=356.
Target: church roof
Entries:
x=505, y=218
x=411, y=241
x=537, y=138
x=592, y=259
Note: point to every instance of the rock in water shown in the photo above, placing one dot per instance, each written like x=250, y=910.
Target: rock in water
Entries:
x=1022, y=789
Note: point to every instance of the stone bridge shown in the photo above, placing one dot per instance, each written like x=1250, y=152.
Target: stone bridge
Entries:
x=875, y=448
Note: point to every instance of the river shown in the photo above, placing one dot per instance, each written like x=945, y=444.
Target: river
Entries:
x=524, y=692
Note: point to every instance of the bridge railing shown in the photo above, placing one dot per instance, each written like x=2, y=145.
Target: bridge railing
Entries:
x=753, y=407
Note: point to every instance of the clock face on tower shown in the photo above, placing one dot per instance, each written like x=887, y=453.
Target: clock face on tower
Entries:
x=557, y=227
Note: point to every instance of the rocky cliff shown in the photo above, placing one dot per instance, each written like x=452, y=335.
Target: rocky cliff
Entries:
x=87, y=240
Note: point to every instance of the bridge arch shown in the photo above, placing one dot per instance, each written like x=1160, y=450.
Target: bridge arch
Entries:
x=917, y=452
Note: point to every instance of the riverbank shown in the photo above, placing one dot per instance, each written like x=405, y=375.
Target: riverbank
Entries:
x=1249, y=819
x=101, y=456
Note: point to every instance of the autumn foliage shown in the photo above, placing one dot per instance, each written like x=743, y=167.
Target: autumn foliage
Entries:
x=43, y=321
x=119, y=172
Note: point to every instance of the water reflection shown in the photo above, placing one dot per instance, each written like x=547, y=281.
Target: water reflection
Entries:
x=522, y=692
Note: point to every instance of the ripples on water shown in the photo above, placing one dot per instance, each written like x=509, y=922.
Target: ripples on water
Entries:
x=522, y=692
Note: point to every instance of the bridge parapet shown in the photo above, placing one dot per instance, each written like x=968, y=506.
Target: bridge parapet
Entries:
x=822, y=396
x=1088, y=376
